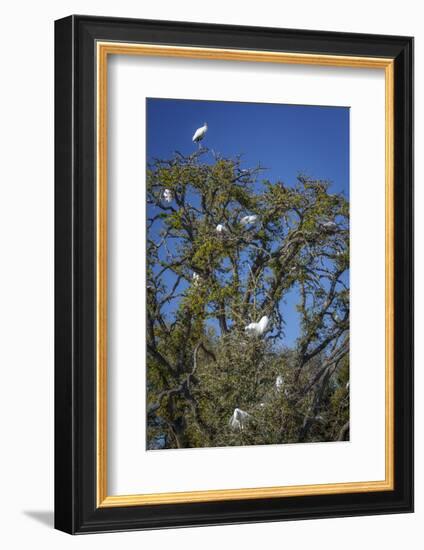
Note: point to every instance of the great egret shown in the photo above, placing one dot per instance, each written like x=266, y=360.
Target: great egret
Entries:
x=239, y=419
x=195, y=278
x=167, y=195
x=199, y=134
x=258, y=328
x=220, y=228
x=279, y=382
x=246, y=220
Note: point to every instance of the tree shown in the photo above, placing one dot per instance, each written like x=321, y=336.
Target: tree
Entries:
x=210, y=272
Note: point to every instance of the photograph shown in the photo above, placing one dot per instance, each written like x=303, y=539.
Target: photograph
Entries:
x=247, y=274
x=233, y=267
x=210, y=249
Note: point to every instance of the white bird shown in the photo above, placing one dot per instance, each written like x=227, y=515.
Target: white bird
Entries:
x=220, y=228
x=248, y=219
x=167, y=195
x=195, y=278
x=258, y=328
x=199, y=134
x=329, y=226
x=279, y=382
x=239, y=419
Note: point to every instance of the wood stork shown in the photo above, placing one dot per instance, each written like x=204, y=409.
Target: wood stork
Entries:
x=279, y=382
x=258, y=329
x=329, y=226
x=220, y=228
x=246, y=220
x=199, y=134
x=167, y=195
x=239, y=419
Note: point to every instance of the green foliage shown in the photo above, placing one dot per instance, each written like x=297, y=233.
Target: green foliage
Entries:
x=206, y=286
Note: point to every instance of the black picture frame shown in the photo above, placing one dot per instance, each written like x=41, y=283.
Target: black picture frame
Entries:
x=76, y=510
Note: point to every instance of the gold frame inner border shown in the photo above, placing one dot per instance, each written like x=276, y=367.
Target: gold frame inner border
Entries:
x=104, y=49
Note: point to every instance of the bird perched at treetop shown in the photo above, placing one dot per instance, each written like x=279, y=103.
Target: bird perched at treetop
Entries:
x=258, y=329
x=199, y=134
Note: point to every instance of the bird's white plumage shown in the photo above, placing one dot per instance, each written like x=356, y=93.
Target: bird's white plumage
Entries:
x=259, y=328
x=199, y=134
x=167, y=195
x=220, y=228
x=239, y=419
x=195, y=278
x=279, y=382
x=246, y=220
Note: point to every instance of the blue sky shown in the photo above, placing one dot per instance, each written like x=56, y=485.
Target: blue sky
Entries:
x=285, y=139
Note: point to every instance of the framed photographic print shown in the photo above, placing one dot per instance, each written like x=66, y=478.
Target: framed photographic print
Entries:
x=234, y=269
